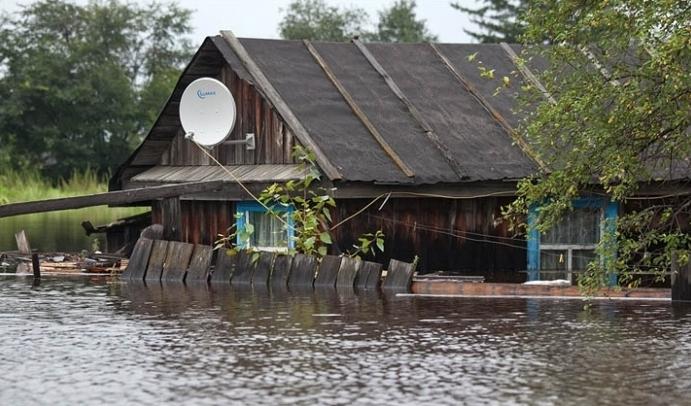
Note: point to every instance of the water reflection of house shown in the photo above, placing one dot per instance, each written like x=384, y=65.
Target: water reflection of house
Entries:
x=414, y=120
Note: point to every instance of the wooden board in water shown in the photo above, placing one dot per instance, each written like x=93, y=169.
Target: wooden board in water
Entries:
x=328, y=272
x=281, y=271
x=302, y=271
x=177, y=260
x=244, y=268
x=369, y=276
x=348, y=272
x=223, y=270
x=136, y=267
x=262, y=271
x=198, y=271
x=156, y=260
x=399, y=276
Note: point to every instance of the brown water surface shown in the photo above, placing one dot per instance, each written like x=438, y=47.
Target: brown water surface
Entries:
x=82, y=341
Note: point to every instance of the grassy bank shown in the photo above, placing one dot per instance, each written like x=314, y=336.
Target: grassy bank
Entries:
x=24, y=186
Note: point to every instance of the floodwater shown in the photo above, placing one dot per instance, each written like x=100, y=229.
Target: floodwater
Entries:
x=62, y=230
x=89, y=341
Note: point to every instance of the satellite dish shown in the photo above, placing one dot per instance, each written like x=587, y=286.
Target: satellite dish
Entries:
x=207, y=111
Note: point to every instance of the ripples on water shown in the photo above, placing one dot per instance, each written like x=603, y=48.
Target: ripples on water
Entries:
x=82, y=341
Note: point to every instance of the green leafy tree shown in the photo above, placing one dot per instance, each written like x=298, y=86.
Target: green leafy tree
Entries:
x=315, y=20
x=498, y=20
x=400, y=24
x=620, y=85
x=80, y=84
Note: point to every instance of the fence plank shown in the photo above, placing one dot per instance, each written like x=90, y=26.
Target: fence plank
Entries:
x=302, y=271
x=156, y=260
x=198, y=271
x=328, y=272
x=223, y=270
x=262, y=270
x=348, y=272
x=399, y=276
x=369, y=277
x=242, y=274
x=281, y=271
x=136, y=266
x=177, y=260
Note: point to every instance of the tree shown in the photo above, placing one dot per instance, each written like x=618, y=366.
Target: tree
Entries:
x=79, y=84
x=621, y=87
x=399, y=24
x=314, y=20
x=499, y=20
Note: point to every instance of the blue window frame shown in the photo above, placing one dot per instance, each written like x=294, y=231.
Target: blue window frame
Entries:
x=570, y=245
x=269, y=232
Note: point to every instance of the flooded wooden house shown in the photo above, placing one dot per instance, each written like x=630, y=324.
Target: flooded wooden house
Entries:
x=413, y=124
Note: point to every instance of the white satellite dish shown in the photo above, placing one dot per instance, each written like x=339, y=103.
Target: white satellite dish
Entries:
x=207, y=111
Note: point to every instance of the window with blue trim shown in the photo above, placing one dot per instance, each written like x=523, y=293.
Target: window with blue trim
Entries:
x=270, y=234
x=569, y=246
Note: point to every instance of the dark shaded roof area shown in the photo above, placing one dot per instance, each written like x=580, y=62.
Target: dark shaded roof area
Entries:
x=481, y=147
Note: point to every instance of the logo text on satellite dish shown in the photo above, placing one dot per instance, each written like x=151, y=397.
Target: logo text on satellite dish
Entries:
x=204, y=94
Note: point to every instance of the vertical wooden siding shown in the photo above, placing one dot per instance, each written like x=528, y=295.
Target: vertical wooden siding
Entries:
x=407, y=224
x=202, y=221
x=274, y=141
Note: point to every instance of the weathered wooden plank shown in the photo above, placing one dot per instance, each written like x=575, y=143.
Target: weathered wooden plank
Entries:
x=328, y=272
x=417, y=115
x=348, y=273
x=22, y=243
x=369, y=276
x=399, y=276
x=223, y=270
x=281, y=271
x=262, y=269
x=280, y=105
x=244, y=268
x=154, y=269
x=139, y=260
x=302, y=271
x=200, y=264
x=358, y=112
x=177, y=260
x=112, y=198
x=172, y=218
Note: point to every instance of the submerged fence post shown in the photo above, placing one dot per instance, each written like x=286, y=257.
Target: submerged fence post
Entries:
x=36, y=266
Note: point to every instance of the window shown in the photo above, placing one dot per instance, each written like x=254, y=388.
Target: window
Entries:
x=270, y=234
x=568, y=247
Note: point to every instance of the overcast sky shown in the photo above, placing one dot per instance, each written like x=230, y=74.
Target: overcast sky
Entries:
x=260, y=18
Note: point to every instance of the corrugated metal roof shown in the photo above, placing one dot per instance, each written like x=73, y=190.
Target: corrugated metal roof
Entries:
x=245, y=173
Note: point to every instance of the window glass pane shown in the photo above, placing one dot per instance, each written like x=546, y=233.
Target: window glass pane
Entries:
x=268, y=230
x=553, y=264
x=581, y=226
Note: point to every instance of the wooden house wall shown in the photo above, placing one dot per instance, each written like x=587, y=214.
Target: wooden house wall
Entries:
x=274, y=141
x=201, y=220
x=439, y=232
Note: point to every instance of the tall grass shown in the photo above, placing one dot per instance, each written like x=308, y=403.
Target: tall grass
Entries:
x=21, y=186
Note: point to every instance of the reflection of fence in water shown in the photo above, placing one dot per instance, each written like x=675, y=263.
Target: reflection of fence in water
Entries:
x=172, y=261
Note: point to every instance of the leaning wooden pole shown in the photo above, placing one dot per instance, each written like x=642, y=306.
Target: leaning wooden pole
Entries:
x=109, y=198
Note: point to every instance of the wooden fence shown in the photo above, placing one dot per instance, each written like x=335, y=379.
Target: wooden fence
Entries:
x=179, y=262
